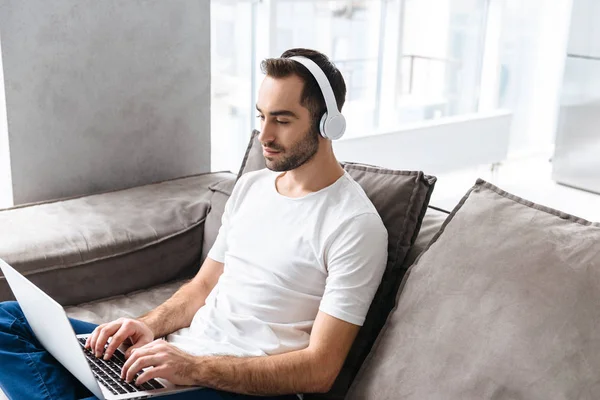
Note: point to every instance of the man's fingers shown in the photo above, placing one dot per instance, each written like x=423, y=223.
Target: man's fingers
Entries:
x=136, y=353
x=89, y=339
x=94, y=336
x=103, y=336
x=150, y=373
x=132, y=348
x=138, y=365
x=133, y=356
x=118, y=338
x=140, y=345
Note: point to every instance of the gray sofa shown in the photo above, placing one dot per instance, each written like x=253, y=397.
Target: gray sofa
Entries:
x=95, y=256
x=500, y=300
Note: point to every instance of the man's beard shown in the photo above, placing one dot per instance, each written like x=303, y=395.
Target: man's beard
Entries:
x=297, y=155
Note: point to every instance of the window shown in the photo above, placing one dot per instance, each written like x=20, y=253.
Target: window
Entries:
x=441, y=58
x=231, y=82
x=403, y=60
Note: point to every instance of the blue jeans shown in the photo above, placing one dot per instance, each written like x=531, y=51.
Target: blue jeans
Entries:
x=28, y=371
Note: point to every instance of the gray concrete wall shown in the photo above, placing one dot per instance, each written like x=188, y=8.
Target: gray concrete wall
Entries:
x=104, y=95
x=6, y=195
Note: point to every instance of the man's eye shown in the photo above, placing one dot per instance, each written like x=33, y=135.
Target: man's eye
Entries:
x=260, y=116
x=283, y=122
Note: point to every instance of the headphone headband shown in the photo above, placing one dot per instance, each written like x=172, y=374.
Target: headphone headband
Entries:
x=333, y=123
x=323, y=82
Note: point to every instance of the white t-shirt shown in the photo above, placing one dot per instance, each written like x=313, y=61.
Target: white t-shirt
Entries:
x=284, y=260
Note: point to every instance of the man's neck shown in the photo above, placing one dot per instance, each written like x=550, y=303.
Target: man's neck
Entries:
x=313, y=176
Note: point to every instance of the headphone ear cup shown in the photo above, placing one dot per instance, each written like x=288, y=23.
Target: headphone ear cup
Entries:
x=335, y=126
x=322, y=125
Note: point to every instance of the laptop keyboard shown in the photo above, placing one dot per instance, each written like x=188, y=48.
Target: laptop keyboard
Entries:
x=109, y=373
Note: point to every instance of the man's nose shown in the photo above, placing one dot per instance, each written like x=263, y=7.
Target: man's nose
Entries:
x=267, y=134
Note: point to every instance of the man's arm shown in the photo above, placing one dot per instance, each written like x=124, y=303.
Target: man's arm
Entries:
x=173, y=314
x=311, y=370
x=178, y=311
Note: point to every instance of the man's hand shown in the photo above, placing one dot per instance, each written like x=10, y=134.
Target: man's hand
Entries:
x=168, y=362
x=120, y=330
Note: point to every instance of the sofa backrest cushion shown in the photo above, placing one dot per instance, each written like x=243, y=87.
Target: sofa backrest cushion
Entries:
x=253, y=158
x=503, y=304
x=401, y=199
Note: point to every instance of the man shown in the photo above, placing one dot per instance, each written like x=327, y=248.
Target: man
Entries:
x=283, y=292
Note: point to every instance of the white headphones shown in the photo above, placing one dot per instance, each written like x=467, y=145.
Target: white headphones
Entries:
x=333, y=123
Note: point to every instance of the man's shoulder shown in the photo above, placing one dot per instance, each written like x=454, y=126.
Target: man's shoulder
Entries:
x=351, y=209
x=253, y=176
x=244, y=183
x=354, y=199
x=258, y=173
x=248, y=179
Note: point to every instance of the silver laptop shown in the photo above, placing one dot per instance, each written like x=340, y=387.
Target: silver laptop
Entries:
x=51, y=326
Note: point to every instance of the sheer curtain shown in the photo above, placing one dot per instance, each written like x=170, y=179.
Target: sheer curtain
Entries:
x=532, y=57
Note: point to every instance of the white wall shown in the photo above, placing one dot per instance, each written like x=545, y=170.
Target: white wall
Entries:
x=104, y=95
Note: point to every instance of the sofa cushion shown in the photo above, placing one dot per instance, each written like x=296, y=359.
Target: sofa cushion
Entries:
x=253, y=158
x=97, y=246
x=401, y=199
x=502, y=305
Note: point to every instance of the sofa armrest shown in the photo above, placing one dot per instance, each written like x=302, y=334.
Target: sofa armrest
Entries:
x=91, y=247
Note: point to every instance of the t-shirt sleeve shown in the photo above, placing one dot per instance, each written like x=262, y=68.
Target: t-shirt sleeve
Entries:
x=217, y=251
x=355, y=261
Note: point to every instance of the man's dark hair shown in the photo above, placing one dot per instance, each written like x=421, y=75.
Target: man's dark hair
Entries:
x=312, y=97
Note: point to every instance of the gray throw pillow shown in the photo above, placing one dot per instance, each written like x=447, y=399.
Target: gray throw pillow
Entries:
x=503, y=304
x=401, y=199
